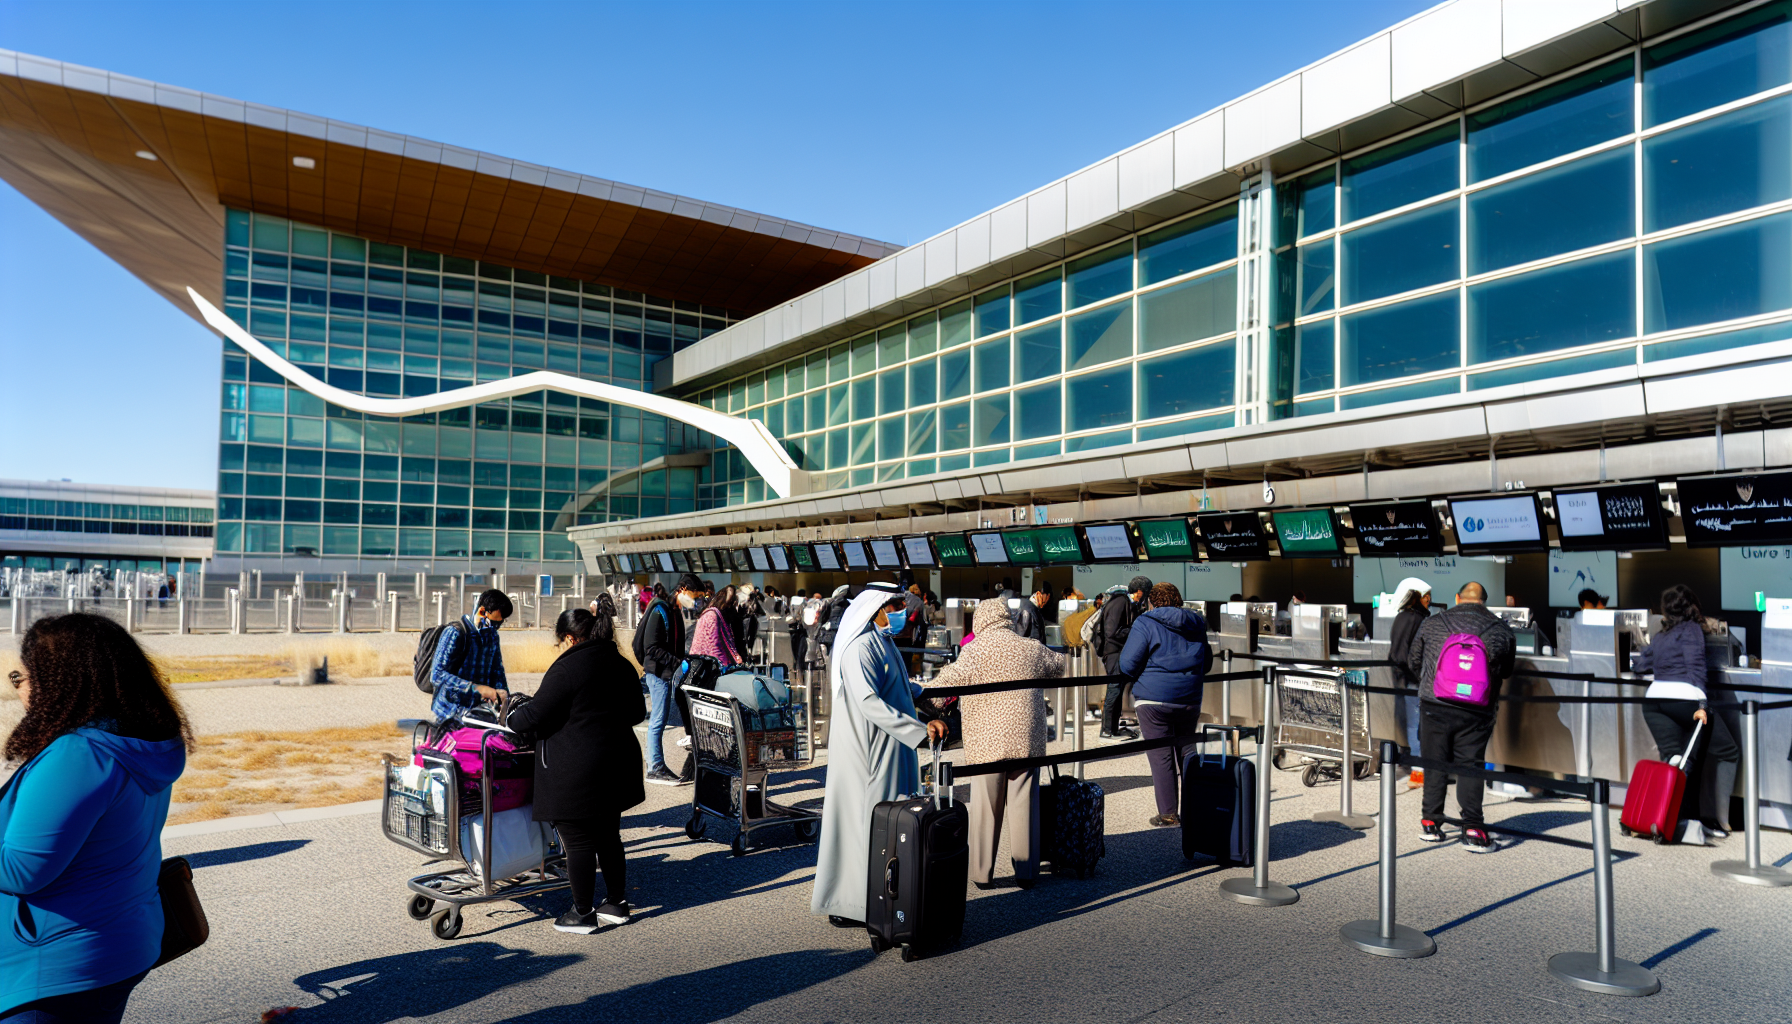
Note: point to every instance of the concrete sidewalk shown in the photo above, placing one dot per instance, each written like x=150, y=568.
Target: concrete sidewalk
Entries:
x=310, y=913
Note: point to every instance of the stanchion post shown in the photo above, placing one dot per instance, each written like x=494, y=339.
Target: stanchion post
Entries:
x=1346, y=815
x=1076, y=738
x=1384, y=936
x=1751, y=871
x=1602, y=971
x=1258, y=890
x=1231, y=739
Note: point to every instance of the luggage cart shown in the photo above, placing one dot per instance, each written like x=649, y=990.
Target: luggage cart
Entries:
x=734, y=753
x=1310, y=721
x=427, y=819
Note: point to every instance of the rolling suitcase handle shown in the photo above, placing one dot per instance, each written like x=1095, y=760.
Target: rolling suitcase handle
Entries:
x=1681, y=759
x=942, y=777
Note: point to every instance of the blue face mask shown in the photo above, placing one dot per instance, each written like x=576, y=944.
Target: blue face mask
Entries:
x=898, y=619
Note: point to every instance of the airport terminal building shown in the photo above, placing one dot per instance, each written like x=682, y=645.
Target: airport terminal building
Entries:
x=1502, y=246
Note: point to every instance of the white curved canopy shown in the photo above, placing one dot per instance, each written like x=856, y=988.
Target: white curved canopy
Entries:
x=762, y=450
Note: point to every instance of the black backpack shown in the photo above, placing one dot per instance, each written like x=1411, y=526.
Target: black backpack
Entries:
x=423, y=664
x=640, y=641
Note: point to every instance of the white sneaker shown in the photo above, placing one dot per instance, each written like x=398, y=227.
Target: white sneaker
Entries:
x=685, y=742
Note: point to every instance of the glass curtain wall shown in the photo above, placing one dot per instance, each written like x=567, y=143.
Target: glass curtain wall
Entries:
x=1130, y=342
x=498, y=481
x=1631, y=210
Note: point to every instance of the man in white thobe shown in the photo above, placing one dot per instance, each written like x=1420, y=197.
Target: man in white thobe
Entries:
x=872, y=739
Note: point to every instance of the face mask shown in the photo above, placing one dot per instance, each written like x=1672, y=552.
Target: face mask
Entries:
x=686, y=601
x=485, y=623
x=898, y=619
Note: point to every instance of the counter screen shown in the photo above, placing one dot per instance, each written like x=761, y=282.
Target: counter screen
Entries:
x=665, y=560
x=804, y=556
x=989, y=549
x=920, y=555
x=1109, y=542
x=762, y=562
x=780, y=556
x=1057, y=545
x=1488, y=526
x=856, y=558
x=1397, y=528
x=884, y=553
x=828, y=557
x=1021, y=547
x=1734, y=511
x=1234, y=537
x=1307, y=533
x=1626, y=517
x=1167, y=539
x=954, y=550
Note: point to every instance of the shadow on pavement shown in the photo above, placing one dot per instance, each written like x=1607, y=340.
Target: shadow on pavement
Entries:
x=1679, y=947
x=712, y=994
x=238, y=854
x=419, y=984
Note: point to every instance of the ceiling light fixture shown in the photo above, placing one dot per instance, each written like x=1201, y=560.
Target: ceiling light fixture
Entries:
x=304, y=163
x=144, y=154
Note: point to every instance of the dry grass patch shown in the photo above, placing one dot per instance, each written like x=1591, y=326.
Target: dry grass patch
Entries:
x=211, y=668
x=262, y=770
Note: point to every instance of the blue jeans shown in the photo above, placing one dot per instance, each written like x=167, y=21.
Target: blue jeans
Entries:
x=1410, y=707
x=95, y=1006
x=660, y=691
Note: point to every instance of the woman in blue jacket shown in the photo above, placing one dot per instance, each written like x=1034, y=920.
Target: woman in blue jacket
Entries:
x=1167, y=657
x=1676, y=657
x=102, y=742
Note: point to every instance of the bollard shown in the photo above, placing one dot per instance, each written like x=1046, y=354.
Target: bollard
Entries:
x=1384, y=936
x=391, y=611
x=130, y=615
x=233, y=600
x=1076, y=737
x=1602, y=971
x=21, y=615
x=296, y=619
x=341, y=601
x=1258, y=890
x=440, y=599
x=1751, y=871
x=1346, y=815
x=182, y=624
x=292, y=614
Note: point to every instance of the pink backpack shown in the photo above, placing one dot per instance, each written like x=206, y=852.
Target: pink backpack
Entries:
x=1462, y=675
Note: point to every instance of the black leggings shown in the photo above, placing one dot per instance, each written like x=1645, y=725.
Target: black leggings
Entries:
x=589, y=842
x=1671, y=723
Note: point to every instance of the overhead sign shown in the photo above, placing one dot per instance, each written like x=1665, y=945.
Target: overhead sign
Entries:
x=1166, y=539
x=1234, y=537
x=1307, y=533
x=1725, y=511
x=1397, y=528
x=954, y=550
x=1057, y=545
x=1498, y=525
x=1021, y=547
x=1624, y=517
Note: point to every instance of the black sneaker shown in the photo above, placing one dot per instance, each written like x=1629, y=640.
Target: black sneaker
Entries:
x=575, y=922
x=1430, y=831
x=662, y=776
x=1165, y=821
x=1119, y=735
x=1476, y=840
x=613, y=913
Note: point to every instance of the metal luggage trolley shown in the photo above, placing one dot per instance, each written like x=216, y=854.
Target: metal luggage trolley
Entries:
x=428, y=819
x=734, y=752
x=1310, y=721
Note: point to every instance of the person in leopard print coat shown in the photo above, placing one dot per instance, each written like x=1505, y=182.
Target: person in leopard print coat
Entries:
x=999, y=726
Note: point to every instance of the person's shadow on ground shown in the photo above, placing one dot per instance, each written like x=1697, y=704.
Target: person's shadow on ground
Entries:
x=711, y=994
x=419, y=984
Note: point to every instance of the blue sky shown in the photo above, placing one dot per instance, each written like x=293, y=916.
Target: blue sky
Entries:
x=890, y=120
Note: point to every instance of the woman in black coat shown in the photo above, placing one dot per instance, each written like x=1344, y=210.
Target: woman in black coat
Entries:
x=587, y=760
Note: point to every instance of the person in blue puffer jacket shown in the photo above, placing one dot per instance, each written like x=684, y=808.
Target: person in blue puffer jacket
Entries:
x=102, y=741
x=1167, y=658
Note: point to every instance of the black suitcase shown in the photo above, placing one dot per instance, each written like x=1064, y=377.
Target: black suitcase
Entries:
x=920, y=865
x=1072, y=825
x=1219, y=808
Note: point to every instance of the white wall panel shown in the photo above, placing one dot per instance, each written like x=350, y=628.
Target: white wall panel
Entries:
x=883, y=282
x=833, y=303
x=1008, y=230
x=1263, y=122
x=1350, y=85
x=1147, y=172
x=1445, y=44
x=1528, y=23
x=973, y=244
x=1045, y=214
x=942, y=258
x=911, y=270
x=1201, y=149
x=856, y=288
x=1093, y=195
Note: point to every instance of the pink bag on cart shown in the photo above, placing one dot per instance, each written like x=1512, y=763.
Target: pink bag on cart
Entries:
x=513, y=783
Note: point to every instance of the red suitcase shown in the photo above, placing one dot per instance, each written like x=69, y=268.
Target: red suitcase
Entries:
x=1652, y=799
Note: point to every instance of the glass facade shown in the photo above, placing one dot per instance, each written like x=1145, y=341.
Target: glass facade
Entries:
x=1575, y=226
x=495, y=483
x=1595, y=219
x=98, y=517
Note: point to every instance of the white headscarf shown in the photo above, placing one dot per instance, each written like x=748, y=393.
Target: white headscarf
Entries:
x=860, y=615
x=1407, y=586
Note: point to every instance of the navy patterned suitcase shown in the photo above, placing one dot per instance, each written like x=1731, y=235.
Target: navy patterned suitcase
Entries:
x=1072, y=825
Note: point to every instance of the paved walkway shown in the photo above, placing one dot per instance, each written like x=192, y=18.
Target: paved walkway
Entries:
x=311, y=914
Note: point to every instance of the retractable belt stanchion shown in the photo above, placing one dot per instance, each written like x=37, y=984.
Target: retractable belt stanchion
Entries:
x=1384, y=937
x=1258, y=890
x=1346, y=815
x=1601, y=971
x=1751, y=871
x=1226, y=699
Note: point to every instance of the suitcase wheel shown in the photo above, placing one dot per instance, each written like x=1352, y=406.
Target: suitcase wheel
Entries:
x=908, y=954
x=696, y=826
x=879, y=944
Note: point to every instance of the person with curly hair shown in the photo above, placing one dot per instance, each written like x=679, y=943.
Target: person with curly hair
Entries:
x=102, y=742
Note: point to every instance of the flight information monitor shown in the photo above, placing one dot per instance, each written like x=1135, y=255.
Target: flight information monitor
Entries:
x=1622, y=517
x=780, y=556
x=762, y=562
x=1394, y=528
x=1166, y=540
x=919, y=552
x=1498, y=524
x=1308, y=533
x=1234, y=537
x=1735, y=511
x=955, y=551
x=989, y=549
x=856, y=556
x=828, y=557
x=1109, y=542
x=884, y=554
